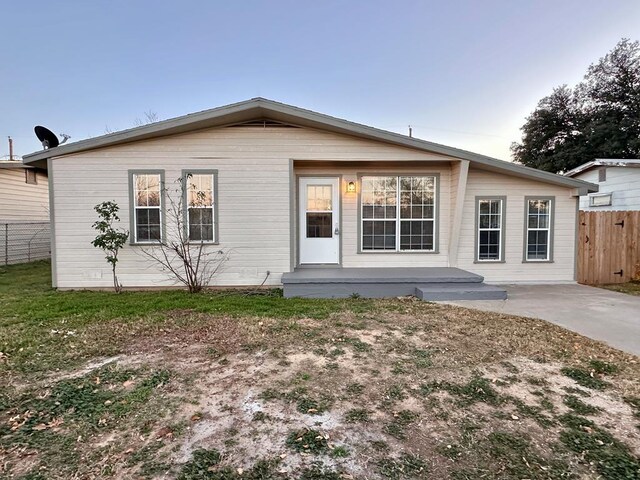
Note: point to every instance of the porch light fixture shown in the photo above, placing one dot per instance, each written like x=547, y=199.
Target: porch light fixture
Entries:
x=351, y=187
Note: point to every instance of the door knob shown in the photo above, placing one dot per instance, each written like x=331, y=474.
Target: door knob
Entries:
x=336, y=231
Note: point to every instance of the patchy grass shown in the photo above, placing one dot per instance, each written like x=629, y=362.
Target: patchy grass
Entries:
x=612, y=459
x=585, y=378
x=580, y=407
x=308, y=441
x=404, y=466
x=356, y=415
x=630, y=288
x=250, y=385
x=36, y=319
x=478, y=389
x=52, y=419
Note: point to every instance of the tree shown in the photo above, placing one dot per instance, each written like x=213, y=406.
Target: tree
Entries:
x=599, y=118
x=149, y=117
x=191, y=263
x=109, y=238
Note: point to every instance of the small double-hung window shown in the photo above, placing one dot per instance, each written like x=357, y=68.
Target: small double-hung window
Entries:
x=201, y=218
x=538, y=234
x=490, y=221
x=146, y=190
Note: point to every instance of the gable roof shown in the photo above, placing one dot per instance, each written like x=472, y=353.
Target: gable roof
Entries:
x=603, y=162
x=260, y=108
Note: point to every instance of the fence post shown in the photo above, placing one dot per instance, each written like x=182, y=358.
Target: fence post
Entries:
x=6, y=244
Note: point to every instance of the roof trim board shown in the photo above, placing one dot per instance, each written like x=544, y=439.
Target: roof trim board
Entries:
x=261, y=108
x=603, y=162
x=13, y=164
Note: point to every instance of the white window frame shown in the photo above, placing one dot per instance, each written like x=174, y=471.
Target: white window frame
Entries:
x=186, y=174
x=398, y=219
x=133, y=174
x=593, y=196
x=500, y=229
x=548, y=229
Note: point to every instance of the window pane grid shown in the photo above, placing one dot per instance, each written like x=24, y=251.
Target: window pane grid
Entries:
x=490, y=230
x=319, y=198
x=147, y=207
x=398, y=213
x=200, y=208
x=538, y=229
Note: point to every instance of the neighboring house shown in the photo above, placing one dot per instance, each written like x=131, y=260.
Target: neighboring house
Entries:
x=24, y=213
x=376, y=213
x=618, y=181
x=24, y=193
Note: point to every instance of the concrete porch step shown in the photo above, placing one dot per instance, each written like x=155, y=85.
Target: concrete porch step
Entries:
x=380, y=275
x=460, y=291
x=431, y=283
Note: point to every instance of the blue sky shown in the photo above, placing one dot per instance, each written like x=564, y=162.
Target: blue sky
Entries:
x=463, y=73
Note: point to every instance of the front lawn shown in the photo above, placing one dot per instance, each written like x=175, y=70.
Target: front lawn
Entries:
x=235, y=385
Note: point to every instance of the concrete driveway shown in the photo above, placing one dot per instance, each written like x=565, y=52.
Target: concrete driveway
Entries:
x=611, y=317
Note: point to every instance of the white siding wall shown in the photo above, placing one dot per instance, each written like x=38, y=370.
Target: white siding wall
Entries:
x=20, y=201
x=255, y=204
x=482, y=183
x=350, y=255
x=254, y=199
x=623, y=182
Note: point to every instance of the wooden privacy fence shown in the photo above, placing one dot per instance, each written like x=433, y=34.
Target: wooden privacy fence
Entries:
x=608, y=247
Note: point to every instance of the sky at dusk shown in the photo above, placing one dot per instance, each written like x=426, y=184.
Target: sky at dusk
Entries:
x=462, y=73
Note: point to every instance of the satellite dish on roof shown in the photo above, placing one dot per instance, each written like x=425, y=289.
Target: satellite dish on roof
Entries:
x=48, y=138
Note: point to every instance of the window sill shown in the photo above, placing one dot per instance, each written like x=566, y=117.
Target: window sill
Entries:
x=481, y=262
x=204, y=244
x=537, y=261
x=144, y=244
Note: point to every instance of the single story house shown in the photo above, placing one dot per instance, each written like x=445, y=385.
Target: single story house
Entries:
x=618, y=182
x=320, y=205
x=24, y=193
x=24, y=213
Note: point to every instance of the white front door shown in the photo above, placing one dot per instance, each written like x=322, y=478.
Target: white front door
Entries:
x=319, y=220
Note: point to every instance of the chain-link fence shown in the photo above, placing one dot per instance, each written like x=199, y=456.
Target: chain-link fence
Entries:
x=24, y=242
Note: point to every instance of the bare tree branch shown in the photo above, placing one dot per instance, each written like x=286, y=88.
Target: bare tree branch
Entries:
x=191, y=263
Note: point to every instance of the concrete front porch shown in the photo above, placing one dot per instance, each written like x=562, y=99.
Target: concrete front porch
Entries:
x=426, y=283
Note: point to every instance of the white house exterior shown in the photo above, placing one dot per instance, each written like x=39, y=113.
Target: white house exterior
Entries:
x=287, y=188
x=618, y=182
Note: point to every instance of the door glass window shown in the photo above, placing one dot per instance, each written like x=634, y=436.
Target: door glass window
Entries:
x=319, y=225
x=319, y=211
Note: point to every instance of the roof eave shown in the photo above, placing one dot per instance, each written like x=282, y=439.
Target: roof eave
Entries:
x=603, y=162
x=249, y=109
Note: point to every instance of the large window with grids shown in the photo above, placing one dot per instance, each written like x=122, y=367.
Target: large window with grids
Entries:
x=490, y=218
x=146, y=215
x=539, y=219
x=398, y=213
x=200, y=188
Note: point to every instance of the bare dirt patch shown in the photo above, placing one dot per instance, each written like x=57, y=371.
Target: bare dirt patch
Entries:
x=405, y=391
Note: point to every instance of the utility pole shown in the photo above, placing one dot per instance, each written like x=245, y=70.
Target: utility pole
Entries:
x=10, y=149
